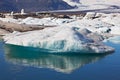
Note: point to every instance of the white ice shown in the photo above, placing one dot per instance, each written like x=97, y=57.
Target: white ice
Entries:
x=94, y=4
x=58, y=39
x=115, y=39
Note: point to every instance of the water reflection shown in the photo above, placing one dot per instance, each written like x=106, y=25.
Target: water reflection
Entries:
x=61, y=63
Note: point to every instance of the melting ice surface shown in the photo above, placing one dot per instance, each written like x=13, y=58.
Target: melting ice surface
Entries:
x=58, y=39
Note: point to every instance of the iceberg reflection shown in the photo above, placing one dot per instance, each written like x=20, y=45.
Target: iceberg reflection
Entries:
x=61, y=63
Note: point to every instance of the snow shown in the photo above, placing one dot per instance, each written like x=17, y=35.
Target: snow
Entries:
x=50, y=21
x=115, y=30
x=95, y=25
x=76, y=35
x=115, y=39
x=91, y=2
x=113, y=19
x=105, y=23
x=94, y=4
x=58, y=39
x=73, y=2
x=9, y=20
x=44, y=21
x=90, y=15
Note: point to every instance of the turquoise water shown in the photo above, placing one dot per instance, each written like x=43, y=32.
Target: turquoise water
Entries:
x=21, y=63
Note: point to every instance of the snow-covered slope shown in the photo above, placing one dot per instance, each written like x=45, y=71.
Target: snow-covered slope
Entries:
x=58, y=39
x=94, y=4
x=73, y=2
x=88, y=2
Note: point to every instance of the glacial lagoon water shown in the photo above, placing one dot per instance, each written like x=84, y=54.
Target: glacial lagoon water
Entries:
x=21, y=63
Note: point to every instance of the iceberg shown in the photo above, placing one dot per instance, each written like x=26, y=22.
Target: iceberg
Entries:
x=58, y=39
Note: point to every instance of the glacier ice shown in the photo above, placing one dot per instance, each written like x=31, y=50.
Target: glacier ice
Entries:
x=58, y=39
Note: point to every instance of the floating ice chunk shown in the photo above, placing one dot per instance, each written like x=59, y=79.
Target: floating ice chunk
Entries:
x=58, y=39
x=90, y=15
